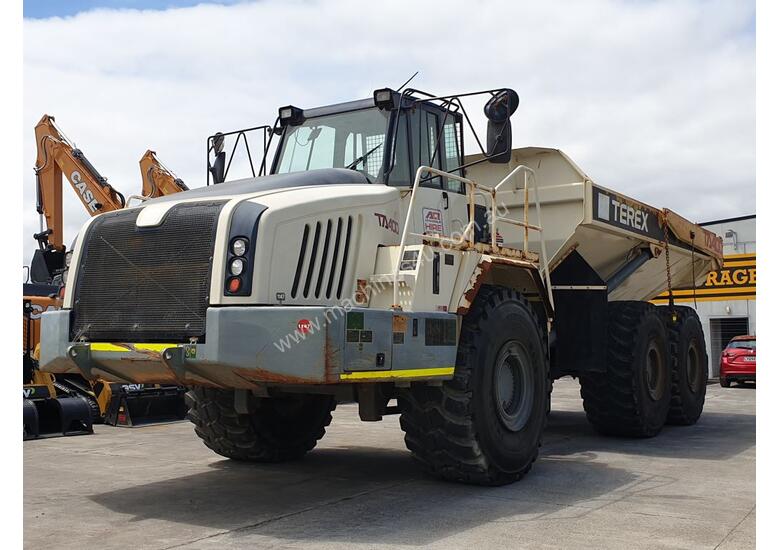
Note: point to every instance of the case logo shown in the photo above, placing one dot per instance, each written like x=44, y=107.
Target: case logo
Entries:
x=86, y=194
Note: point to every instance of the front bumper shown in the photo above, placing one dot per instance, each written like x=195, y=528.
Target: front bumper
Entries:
x=247, y=346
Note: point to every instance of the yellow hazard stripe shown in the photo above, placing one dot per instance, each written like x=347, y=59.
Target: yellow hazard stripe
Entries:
x=710, y=291
x=739, y=256
x=747, y=263
x=689, y=298
x=105, y=346
x=391, y=374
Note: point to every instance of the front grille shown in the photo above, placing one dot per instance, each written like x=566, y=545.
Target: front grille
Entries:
x=146, y=284
x=322, y=259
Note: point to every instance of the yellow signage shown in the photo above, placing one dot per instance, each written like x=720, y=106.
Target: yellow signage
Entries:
x=736, y=281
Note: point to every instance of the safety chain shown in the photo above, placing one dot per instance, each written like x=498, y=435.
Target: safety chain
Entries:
x=693, y=271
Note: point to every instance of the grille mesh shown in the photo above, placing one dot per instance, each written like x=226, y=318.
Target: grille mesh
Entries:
x=146, y=284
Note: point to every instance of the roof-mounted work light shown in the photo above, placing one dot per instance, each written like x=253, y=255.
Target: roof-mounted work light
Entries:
x=384, y=99
x=290, y=116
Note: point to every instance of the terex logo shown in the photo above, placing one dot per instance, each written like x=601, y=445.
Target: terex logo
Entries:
x=614, y=210
x=628, y=215
x=86, y=194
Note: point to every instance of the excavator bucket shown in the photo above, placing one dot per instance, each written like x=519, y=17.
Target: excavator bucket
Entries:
x=138, y=404
x=44, y=410
x=30, y=417
x=60, y=416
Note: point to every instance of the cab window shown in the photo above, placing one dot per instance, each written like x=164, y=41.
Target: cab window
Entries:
x=452, y=155
x=423, y=127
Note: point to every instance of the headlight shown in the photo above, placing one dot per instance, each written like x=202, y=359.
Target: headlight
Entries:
x=237, y=267
x=239, y=248
x=68, y=256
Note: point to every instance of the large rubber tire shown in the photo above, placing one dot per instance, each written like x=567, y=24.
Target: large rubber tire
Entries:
x=725, y=383
x=632, y=397
x=689, y=366
x=485, y=425
x=277, y=430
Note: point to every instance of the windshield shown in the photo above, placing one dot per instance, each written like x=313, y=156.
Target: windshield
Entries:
x=742, y=344
x=354, y=139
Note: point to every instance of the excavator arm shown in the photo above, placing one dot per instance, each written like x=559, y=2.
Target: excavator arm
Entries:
x=157, y=180
x=58, y=156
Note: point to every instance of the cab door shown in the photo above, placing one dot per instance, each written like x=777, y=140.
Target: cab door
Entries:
x=440, y=207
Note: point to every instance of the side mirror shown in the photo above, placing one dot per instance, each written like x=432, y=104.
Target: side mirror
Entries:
x=218, y=168
x=498, y=111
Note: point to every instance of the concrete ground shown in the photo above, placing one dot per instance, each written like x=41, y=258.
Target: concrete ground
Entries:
x=159, y=487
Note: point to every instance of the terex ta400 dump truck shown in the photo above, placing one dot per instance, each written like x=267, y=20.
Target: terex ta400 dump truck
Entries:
x=374, y=263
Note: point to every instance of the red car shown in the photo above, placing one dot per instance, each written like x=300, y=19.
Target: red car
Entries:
x=738, y=361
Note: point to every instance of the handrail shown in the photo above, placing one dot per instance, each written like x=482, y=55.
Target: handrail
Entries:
x=468, y=233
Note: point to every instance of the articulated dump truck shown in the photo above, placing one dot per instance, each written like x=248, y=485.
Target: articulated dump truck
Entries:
x=366, y=259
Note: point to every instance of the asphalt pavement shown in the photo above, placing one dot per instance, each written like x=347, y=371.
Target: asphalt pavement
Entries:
x=159, y=487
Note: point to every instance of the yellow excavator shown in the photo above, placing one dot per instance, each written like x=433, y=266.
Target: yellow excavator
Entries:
x=69, y=404
x=156, y=179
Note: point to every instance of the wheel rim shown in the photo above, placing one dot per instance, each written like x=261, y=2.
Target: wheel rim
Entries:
x=654, y=372
x=513, y=386
x=692, y=367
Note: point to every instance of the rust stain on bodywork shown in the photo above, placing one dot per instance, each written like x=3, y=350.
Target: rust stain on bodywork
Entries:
x=265, y=376
x=332, y=366
x=482, y=272
x=475, y=282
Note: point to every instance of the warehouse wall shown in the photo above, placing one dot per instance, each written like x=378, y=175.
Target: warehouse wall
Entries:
x=726, y=301
x=722, y=319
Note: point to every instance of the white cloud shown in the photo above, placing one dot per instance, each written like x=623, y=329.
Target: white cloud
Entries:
x=656, y=100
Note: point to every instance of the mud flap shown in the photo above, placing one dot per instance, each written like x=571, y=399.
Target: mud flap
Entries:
x=62, y=416
x=134, y=406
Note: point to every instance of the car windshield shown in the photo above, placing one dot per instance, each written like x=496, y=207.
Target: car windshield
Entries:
x=354, y=139
x=742, y=344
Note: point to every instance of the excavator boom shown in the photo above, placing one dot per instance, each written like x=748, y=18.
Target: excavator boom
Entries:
x=57, y=157
x=158, y=180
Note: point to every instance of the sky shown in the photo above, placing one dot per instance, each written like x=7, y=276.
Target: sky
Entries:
x=41, y=9
x=653, y=99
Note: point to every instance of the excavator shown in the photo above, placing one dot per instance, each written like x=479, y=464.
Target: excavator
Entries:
x=156, y=179
x=69, y=404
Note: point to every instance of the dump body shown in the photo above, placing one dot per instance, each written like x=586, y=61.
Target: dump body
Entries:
x=604, y=227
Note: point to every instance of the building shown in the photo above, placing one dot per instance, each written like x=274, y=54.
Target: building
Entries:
x=726, y=302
